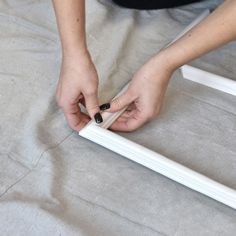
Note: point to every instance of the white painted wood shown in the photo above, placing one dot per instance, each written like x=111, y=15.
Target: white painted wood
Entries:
x=154, y=161
x=208, y=79
x=160, y=164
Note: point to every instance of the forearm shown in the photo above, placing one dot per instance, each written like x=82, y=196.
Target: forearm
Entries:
x=70, y=16
x=216, y=30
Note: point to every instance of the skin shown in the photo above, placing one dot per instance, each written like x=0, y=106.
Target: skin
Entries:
x=79, y=81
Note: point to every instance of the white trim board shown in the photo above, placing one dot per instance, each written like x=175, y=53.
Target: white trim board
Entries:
x=208, y=79
x=160, y=164
x=154, y=161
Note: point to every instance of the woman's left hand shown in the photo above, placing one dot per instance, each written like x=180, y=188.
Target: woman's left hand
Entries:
x=146, y=91
x=144, y=96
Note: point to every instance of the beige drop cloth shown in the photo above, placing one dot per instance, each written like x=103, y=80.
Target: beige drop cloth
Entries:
x=53, y=182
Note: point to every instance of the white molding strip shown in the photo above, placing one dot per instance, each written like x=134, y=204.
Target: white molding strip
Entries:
x=154, y=161
x=160, y=164
x=208, y=79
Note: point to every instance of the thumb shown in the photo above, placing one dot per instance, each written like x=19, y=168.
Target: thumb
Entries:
x=91, y=102
x=121, y=102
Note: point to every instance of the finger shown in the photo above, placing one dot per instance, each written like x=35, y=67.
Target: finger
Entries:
x=75, y=118
x=121, y=119
x=127, y=114
x=92, y=106
x=130, y=124
x=121, y=102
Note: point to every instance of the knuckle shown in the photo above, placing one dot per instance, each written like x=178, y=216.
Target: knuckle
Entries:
x=65, y=104
x=91, y=91
x=92, y=108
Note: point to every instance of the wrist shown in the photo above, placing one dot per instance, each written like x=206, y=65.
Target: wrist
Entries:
x=167, y=61
x=77, y=54
x=163, y=66
x=78, y=61
x=74, y=50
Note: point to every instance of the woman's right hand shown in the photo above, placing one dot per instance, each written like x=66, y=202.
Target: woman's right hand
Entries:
x=78, y=83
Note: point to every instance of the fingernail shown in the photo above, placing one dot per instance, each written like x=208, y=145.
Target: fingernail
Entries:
x=105, y=106
x=98, y=118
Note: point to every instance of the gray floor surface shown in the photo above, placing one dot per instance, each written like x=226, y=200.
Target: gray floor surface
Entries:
x=53, y=182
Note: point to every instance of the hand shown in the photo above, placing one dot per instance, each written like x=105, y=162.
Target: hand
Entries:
x=144, y=96
x=78, y=84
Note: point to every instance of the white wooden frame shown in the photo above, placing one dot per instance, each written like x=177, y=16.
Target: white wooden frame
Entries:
x=99, y=134
x=208, y=79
